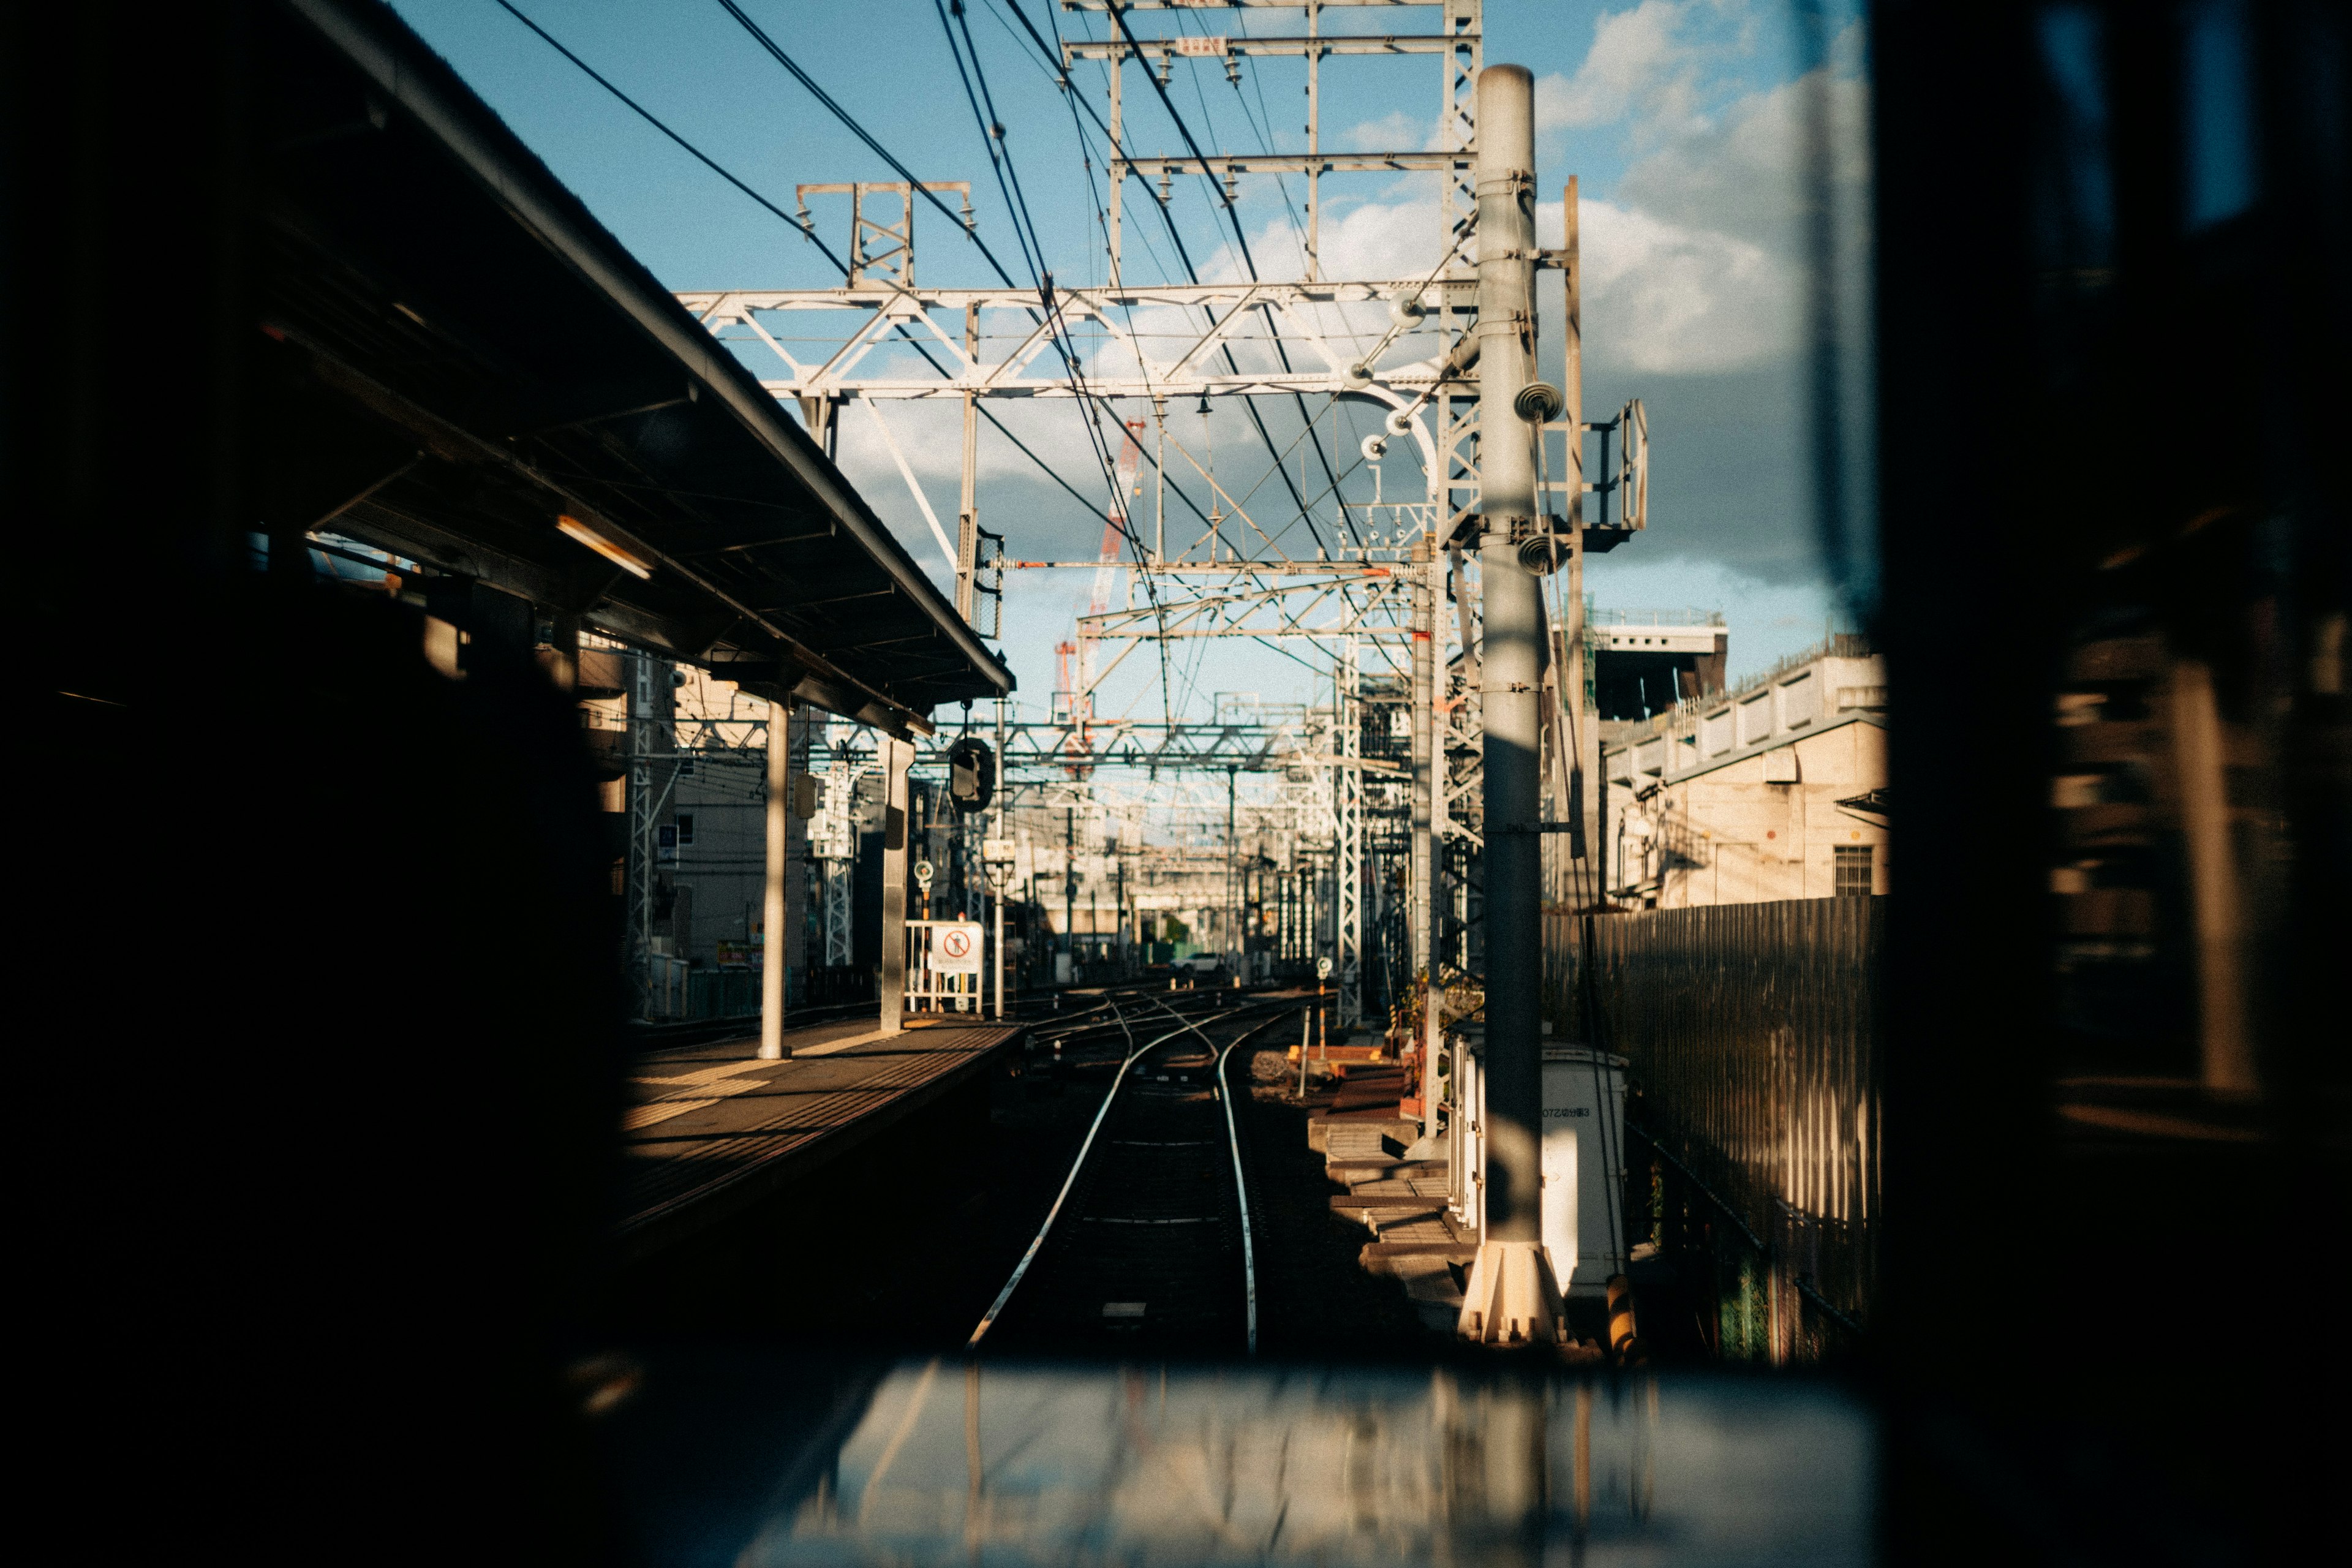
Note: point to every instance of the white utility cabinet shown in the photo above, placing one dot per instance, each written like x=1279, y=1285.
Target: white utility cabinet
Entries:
x=1583, y=1167
x=1466, y=1156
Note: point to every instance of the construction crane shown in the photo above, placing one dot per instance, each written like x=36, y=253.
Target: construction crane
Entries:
x=1073, y=696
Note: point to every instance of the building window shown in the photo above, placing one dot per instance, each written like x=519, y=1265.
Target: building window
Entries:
x=1854, y=868
x=686, y=827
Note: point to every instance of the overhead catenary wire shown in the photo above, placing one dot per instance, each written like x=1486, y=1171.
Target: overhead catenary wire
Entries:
x=1054, y=319
x=993, y=131
x=1233, y=217
x=1116, y=514
x=1184, y=253
x=839, y=264
x=650, y=118
x=1008, y=179
x=922, y=349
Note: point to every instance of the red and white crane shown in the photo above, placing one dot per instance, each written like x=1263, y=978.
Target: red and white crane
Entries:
x=1076, y=670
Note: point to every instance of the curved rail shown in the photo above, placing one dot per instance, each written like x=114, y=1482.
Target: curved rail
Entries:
x=1102, y=1113
x=1038, y=1243
x=1241, y=1180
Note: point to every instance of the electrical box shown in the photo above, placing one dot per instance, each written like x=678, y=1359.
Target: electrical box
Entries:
x=1466, y=1160
x=1583, y=1167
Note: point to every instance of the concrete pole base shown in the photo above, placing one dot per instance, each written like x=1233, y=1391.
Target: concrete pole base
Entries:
x=1512, y=1299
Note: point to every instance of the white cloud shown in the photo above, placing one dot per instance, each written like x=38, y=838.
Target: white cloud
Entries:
x=1382, y=240
x=1662, y=294
x=1649, y=65
x=1672, y=295
x=1693, y=265
x=1680, y=300
x=1743, y=173
x=1395, y=132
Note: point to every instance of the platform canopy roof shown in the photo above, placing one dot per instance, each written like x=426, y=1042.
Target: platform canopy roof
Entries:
x=465, y=368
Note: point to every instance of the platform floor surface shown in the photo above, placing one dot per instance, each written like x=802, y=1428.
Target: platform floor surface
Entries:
x=1406, y=1203
x=710, y=1124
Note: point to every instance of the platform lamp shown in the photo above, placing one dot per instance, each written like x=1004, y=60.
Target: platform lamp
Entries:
x=996, y=862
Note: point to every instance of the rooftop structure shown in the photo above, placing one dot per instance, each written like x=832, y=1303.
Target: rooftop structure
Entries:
x=1775, y=789
x=1646, y=661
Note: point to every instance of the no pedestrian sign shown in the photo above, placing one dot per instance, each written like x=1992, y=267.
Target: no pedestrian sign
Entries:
x=955, y=949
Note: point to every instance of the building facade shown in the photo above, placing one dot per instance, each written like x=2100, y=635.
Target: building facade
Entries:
x=1774, y=789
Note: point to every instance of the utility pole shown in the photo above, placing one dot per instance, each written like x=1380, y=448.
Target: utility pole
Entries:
x=771, y=941
x=1232, y=916
x=1513, y=1297
x=1584, y=741
x=1000, y=880
x=895, y=755
x=967, y=509
x=1420, y=905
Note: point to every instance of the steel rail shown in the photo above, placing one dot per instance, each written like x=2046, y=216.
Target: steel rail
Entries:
x=1070, y=1181
x=1038, y=1243
x=1240, y=1182
x=1064, y=1026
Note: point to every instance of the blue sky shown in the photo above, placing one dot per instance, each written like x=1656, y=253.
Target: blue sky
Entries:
x=1679, y=117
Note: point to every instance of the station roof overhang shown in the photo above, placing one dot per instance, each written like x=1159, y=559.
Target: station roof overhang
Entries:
x=461, y=364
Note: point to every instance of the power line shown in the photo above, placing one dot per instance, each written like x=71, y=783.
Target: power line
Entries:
x=1008, y=180
x=650, y=118
x=1054, y=319
x=992, y=130
x=920, y=348
x=848, y=120
x=1182, y=253
x=1233, y=216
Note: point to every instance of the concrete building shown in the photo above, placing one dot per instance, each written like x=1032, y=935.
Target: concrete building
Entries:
x=702, y=820
x=714, y=847
x=1646, y=661
x=1775, y=789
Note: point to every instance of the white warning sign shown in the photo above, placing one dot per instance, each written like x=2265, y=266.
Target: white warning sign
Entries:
x=956, y=949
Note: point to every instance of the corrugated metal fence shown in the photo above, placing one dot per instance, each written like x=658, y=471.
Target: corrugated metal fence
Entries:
x=1750, y=1029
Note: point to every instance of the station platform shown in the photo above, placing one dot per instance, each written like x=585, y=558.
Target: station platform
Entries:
x=712, y=1129
x=1394, y=1184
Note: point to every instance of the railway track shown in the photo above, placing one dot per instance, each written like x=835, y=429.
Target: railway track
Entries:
x=1148, y=1244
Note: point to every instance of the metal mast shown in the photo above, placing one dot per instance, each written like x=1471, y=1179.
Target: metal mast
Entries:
x=1512, y=1296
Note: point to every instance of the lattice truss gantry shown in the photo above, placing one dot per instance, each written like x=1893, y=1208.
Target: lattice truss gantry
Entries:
x=1380, y=589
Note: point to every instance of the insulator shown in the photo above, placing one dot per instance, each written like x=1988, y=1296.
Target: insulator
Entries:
x=1538, y=403
x=1542, y=554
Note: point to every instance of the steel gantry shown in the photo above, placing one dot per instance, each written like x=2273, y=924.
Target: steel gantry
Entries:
x=1370, y=579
